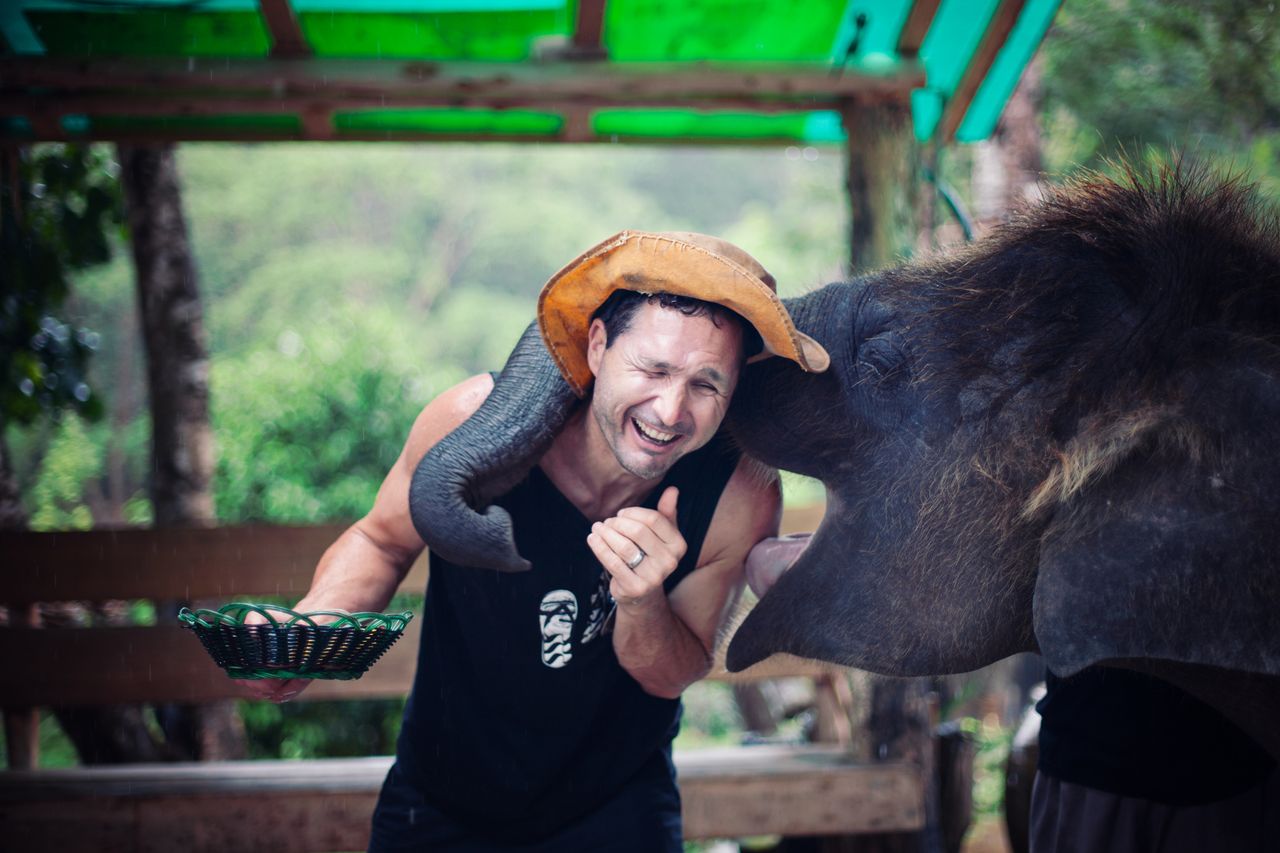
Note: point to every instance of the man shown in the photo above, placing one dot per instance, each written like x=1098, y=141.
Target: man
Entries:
x=545, y=702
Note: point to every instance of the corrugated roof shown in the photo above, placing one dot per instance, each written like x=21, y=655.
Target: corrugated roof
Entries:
x=571, y=70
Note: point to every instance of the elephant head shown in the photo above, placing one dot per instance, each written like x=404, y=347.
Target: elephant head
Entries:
x=1060, y=439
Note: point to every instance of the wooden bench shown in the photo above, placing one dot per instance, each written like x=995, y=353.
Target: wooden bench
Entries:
x=320, y=804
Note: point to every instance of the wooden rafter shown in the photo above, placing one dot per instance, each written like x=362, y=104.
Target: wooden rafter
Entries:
x=111, y=105
x=916, y=27
x=1002, y=23
x=47, y=79
x=287, y=38
x=189, y=134
x=588, y=30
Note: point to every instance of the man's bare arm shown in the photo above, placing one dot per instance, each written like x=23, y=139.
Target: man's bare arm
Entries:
x=667, y=644
x=363, y=568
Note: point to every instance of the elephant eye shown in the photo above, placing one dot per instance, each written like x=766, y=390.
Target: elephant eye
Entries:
x=882, y=361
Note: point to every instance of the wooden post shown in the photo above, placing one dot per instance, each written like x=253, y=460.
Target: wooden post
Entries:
x=881, y=177
x=22, y=725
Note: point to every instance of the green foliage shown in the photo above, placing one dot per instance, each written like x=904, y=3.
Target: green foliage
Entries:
x=307, y=430
x=58, y=497
x=992, y=742
x=313, y=730
x=1127, y=74
x=57, y=203
x=711, y=717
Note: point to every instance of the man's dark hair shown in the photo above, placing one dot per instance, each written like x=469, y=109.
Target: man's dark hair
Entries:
x=618, y=310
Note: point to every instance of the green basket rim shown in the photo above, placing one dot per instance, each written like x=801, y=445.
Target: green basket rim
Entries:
x=233, y=615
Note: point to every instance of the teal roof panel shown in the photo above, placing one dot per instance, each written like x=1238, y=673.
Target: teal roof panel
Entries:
x=785, y=48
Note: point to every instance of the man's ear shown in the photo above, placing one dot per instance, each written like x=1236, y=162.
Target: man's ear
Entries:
x=597, y=340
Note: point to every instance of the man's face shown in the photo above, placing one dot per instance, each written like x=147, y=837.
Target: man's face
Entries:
x=663, y=388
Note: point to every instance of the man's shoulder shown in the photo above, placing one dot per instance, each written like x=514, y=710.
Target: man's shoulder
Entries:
x=446, y=411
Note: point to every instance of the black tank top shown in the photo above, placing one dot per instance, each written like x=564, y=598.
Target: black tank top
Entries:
x=521, y=718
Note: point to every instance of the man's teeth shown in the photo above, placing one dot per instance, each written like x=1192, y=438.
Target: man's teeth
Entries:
x=653, y=434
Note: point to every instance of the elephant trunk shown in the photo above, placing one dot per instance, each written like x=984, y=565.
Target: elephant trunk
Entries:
x=456, y=481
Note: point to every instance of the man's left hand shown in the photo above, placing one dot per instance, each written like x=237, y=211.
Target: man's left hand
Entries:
x=617, y=543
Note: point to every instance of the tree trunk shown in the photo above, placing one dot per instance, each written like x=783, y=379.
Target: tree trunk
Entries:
x=178, y=382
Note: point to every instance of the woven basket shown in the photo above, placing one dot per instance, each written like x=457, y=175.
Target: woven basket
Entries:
x=319, y=644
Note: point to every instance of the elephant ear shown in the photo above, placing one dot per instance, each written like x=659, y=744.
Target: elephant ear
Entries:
x=1169, y=563
x=452, y=490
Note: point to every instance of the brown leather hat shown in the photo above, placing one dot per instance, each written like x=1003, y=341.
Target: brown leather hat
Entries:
x=679, y=262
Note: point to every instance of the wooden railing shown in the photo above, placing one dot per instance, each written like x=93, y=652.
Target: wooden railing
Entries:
x=812, y=789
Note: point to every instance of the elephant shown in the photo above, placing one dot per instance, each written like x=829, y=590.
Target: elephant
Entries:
x=1061, y=438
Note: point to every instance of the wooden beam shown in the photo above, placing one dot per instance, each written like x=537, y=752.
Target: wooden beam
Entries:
x=194, y=562
x=327, y=81
x=577, y=125
x=588, y=31
x=997, y=33
x=287, y=38
x=916, y=27
x=325, y=804
x=317, y=122
x=173, y=563
x=256, y=136
x=161, y=663
x=179, y=105
x=166, y=663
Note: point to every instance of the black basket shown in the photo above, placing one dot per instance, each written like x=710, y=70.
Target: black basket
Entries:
x=294, y=645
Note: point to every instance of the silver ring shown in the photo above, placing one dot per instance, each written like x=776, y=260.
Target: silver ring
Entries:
x=637, y=559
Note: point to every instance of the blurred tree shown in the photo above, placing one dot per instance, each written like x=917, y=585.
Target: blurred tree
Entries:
x=1124, y=74
x=58, y=204
x=308, y=430
x=172, y=320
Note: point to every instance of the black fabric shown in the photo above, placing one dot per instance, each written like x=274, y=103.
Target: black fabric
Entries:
x=1130, y=734
x=643, y=817
x=515, y=738
x=1067, y=818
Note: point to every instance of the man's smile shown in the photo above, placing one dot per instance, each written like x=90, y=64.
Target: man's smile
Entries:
x=652, y=436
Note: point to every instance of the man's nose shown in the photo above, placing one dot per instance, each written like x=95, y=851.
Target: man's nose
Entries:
x=670, y=404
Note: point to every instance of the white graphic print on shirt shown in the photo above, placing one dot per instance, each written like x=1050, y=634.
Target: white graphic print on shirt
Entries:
x=602, y=607
x=556, y=615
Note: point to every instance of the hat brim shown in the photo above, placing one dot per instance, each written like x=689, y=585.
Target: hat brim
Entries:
x=661, y=263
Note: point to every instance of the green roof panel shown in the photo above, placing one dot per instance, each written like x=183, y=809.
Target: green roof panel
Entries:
x=151, y=32
x=721, y=30
x=638, y=124
x=956, y=32
x=843, y=35
x=988, y=102
x=878, y=41
x=463, y=35
x=224, y=126
x=450, y=121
